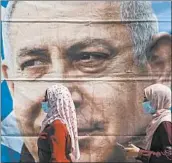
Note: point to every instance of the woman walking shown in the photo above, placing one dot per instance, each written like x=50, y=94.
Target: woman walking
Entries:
x=157, y=102
x=58, y=139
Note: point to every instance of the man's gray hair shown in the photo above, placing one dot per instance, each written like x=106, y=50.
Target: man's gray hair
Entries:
x=143, y=25
x=137, y=15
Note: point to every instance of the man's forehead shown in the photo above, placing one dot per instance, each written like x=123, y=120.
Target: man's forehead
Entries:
x=66, y=10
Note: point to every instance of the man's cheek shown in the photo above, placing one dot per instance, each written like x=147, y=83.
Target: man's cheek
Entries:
x=31, y=90
x=107, y=103
x=107, y=95
x=27, y=104
x=29, y=94
x=38, y=121
x=31, y=125
x=26, y=107
x=115, y=103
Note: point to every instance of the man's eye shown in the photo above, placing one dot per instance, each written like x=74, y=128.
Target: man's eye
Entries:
x=92, y=56
x=90, y=62
x=89, y=56
x=33, y=63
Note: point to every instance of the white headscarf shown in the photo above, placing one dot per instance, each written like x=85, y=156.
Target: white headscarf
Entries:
x=62, y=108
x=160, y=97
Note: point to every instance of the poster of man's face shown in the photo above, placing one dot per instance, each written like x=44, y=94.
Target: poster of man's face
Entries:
x=105, y=52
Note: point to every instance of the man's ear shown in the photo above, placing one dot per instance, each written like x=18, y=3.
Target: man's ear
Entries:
x=6, y=73
x=159, y=56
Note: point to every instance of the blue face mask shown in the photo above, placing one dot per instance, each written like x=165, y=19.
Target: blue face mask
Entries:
x=147, y=108
x=45, y=107
x=170, y=108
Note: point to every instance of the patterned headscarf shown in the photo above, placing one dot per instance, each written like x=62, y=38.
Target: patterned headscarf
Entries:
x=160, y=97
x=62, y=108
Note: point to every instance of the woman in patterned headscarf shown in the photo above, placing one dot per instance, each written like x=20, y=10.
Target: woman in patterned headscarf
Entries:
x=157, y=102
x=58, y=139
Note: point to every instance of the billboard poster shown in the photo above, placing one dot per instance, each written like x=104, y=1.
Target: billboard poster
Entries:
x=104, y=52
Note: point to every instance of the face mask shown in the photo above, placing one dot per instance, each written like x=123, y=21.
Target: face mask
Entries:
x=147, y=108
x=45, y=106
x=170, y=108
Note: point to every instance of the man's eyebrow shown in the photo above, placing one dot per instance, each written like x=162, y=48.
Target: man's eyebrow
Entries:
x=77, y=47
x=32, y=52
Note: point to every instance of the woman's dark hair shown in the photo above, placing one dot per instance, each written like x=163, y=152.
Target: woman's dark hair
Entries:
x=46, y=95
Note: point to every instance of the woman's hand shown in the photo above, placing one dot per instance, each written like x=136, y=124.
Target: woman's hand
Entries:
x=132, y=151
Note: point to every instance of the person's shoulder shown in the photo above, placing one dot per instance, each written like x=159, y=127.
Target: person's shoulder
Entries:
x=165, y=125
x=58, y=124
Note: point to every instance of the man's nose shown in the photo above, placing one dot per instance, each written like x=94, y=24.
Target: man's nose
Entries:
x=76, y=97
